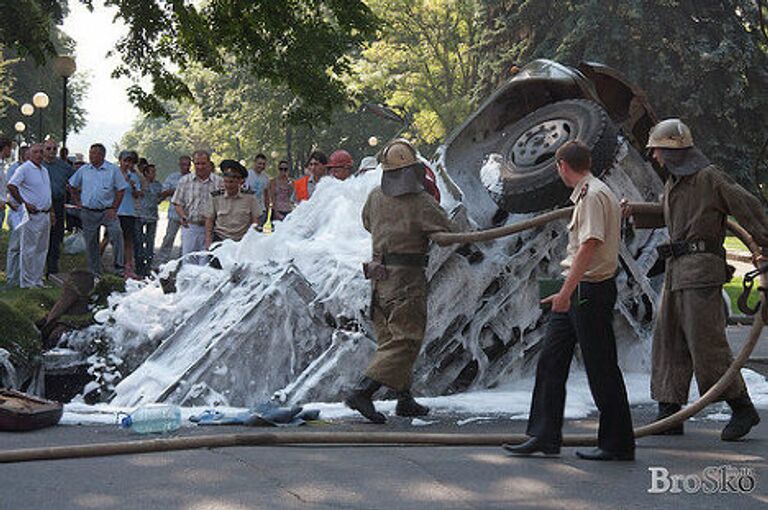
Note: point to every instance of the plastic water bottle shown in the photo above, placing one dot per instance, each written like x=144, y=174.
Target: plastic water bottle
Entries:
x=153, y=419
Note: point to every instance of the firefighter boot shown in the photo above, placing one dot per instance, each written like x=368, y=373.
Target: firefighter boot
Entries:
x=407, y=406
x=668, y=409
x=743, y=418
x=360, y=400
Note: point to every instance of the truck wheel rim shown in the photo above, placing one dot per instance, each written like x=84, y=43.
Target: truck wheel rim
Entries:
x=540, y=142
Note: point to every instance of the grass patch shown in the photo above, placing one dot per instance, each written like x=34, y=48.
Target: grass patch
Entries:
x=108, y=284
x=18, y=334
x=732, y=243
x=32, y=303
x=67, y=262
x=20, y=309
x=734, y=288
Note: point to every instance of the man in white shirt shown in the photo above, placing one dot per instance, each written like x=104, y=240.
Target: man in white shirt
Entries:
x=30, y=186
x=15, y=215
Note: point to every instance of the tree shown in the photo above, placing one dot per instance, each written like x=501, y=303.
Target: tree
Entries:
x=300, y=44
x=26, y=77
x=423, y=62
x=28, y=38
x=26, y=26
x=236, y=115
x=703, y=61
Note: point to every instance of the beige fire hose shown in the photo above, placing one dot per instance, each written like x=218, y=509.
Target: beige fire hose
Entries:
x=727, y=377
x=402, y=438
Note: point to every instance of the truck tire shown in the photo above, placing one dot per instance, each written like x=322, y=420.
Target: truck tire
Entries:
x=528, y=180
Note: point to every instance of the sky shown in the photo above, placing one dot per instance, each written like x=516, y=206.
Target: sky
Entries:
x=109, y=113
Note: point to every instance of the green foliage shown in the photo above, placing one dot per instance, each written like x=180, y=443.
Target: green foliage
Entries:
x=31, y=303
x=29, y=79
x=301, y=44
x=20, y=309
x=26, y=26
x=423, y=62
x=236, y=115
x=107, y=284
x=18, y=334
x=24, y=73
x=734, y=289
x=733, y=243
x=703, y=61
x=6, y=86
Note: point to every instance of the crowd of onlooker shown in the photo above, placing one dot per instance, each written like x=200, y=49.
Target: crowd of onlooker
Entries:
x=50, y=192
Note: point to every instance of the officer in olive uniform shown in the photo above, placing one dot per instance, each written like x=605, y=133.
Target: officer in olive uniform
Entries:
x=582, y=311
x=400, y=216
x=232, y=210
x=689, y=337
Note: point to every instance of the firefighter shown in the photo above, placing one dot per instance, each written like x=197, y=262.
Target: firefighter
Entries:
x=689, y=338
x=400, y=216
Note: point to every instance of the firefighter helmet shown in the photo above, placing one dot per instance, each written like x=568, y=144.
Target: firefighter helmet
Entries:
x=670, y=134
x=397, y=154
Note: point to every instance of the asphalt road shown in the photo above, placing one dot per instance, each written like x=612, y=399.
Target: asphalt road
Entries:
x=383, y=477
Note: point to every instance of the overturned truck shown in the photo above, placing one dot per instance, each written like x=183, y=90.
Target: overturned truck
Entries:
x=287, y=315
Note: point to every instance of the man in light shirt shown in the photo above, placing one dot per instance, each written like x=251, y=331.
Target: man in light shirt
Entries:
x=582, y=312
x=192, y=201
x=98, y=188
x=15, y=215
x=30, y=186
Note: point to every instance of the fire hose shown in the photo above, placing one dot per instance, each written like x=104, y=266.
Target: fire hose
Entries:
x=410, y=438
x=717, y=389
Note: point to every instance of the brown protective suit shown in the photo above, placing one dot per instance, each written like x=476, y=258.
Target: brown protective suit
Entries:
x=690, y=330
x=400, y=225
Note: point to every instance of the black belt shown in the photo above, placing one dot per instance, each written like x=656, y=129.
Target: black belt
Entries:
x=46, y=211
x=405, y=259
x=680, y=248
x=96, y=210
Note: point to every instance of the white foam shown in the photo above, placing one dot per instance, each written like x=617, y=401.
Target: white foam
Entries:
x=512, y=401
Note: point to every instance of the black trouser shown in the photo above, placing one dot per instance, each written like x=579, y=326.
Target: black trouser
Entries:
x=590, y=323
x=57, y=237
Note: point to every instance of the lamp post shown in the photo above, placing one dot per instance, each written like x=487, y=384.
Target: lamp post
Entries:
x=19, y=127
x=27, y=110
x=40, y=100
x=65, y=67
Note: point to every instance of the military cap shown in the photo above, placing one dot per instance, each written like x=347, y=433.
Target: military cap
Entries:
x=230, y=167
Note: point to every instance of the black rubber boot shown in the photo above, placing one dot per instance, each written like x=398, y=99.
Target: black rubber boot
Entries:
x=743, y=418
x=407, y=406
x=361, y=400
x=668, y=409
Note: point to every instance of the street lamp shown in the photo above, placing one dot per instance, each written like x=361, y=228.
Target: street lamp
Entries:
x=373, y=141
x=27, y=109
x=40, y=100
x=65, y=67
x=20, y=127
